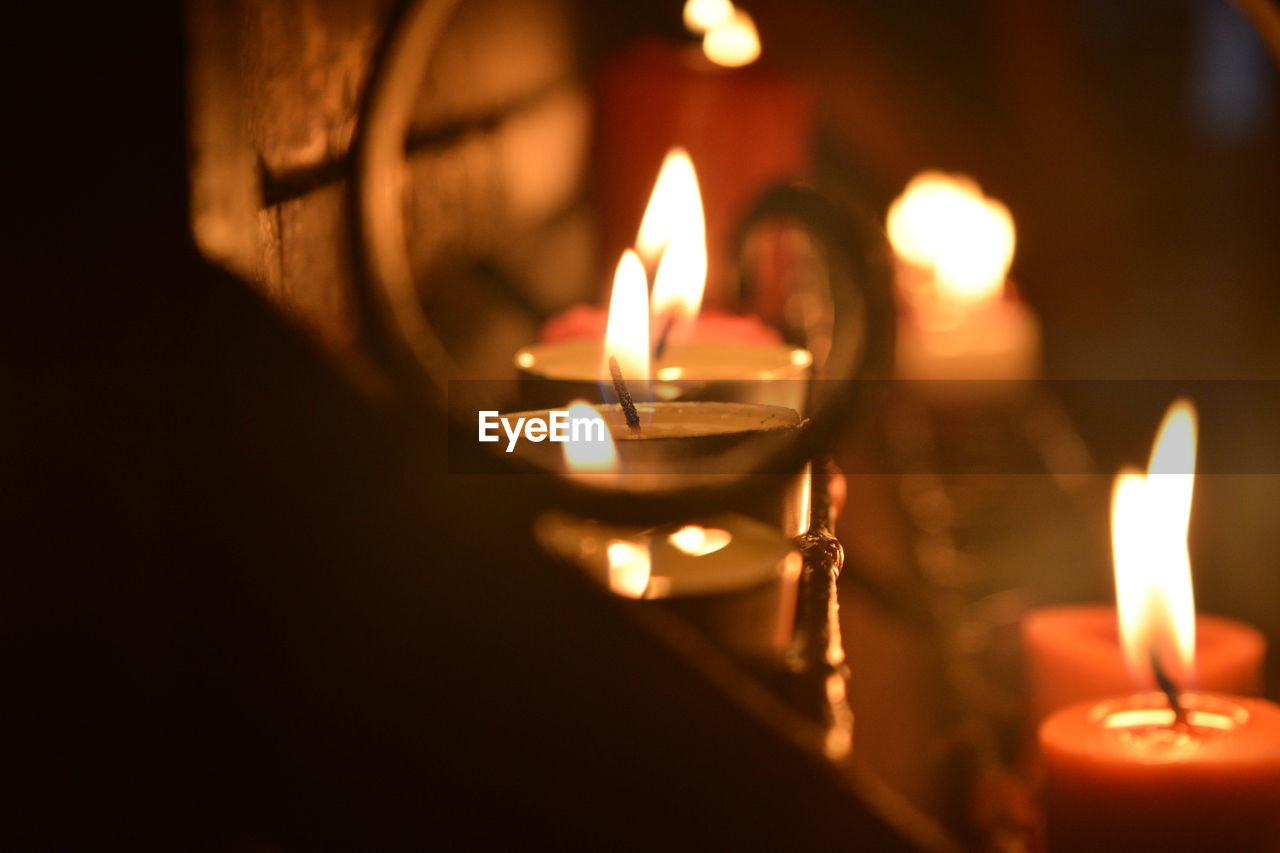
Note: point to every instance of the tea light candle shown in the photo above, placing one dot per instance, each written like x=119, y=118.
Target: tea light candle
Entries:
x=674, y=434
x=1125, y=774
x=959, y=320
x=734, y=577
x=727, y=372
x=686, y=355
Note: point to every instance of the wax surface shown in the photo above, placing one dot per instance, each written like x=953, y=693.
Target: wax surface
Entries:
x=1073, y=655
x=1155, y=789
x=998, y=342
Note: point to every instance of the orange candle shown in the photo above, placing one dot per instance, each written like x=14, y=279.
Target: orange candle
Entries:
x=1085, y=652
x=1124, y=775
x=1073, y=655
x=1178, y=769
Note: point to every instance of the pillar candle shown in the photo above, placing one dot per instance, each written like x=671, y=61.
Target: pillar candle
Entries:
x=1124, y=775
x=1073, y=654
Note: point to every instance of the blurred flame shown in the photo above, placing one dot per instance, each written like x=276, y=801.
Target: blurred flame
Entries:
x=944, y=224
x=626, y=336
x=681, y=277
x=697, y=541
x=674, y=233
x=1149, y=518
x=583, y=452
x=702, y=15
x=733, y=43
x=629, y=567
x=675, y=207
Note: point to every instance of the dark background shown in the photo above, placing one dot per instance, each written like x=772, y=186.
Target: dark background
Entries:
x=244, y=605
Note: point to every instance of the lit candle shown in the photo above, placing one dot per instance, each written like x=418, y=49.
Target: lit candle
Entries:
x=958, y=318
x=1126, y=774
x=1075, y=653
x=695, y=354
x=1174, y=770
x=748, y=127
x=673, y=435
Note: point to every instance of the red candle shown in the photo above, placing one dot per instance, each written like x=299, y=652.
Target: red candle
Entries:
x=746, y=128
x=1125, y=775
x=1074, y=655
x=1178, y=769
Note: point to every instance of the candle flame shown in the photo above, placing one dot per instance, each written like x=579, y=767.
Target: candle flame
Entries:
x=698, y=541
x=626, y=336
x=702, y=15
x=589, y=448
x=681, y=278
x=945, y=225
x=673, y=233
x=1149, y=519
x=629, y=568
x=733, y=42
x=675, y=207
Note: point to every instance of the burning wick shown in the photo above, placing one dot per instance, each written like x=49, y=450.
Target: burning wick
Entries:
x=624, y=397
x=661, y=346
x=1169, y=689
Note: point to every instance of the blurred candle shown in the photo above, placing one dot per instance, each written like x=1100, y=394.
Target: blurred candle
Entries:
x=958, y=318
x=747, y=127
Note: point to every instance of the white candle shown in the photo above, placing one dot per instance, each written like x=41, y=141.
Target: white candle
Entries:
x=958, y=321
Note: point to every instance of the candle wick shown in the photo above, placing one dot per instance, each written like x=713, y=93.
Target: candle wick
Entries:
x=624, y=397
x=1169, y=689
x=661, y=345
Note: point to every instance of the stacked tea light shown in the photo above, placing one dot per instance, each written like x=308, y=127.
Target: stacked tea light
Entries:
x=675, y=350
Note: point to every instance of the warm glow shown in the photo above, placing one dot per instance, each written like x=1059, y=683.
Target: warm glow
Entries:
x=583, y=453
x=943, y=224
x=733, y=43
x=702, y=15
x=681, y=278
x=1149, y=519
x=626, y=336
x=673, y=234
x=675, y=207
x=628, y=568
x=697, y=541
